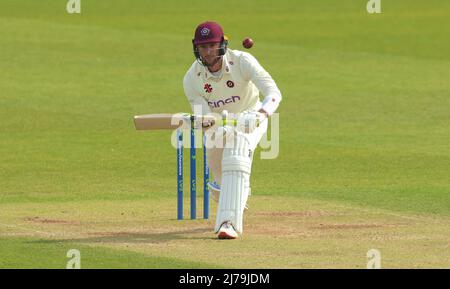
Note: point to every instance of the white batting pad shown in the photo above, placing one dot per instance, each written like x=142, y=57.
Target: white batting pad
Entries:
x=236, y=169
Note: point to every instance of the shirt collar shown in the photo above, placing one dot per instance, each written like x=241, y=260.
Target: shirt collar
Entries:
x=225, y=68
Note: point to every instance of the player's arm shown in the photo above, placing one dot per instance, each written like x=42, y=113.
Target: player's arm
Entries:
x=252, y=70
x=196, y=100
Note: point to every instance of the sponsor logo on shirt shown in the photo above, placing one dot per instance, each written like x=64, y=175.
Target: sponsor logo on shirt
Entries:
x=222, y=102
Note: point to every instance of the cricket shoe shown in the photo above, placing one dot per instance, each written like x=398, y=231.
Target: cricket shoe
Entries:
x=227, y=231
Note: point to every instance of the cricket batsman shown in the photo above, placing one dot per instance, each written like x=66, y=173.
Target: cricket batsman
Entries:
x=220, y=81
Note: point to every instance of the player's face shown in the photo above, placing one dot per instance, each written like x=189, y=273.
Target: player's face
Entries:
x=209, y=52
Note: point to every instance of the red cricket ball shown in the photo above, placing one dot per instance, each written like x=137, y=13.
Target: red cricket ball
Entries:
x=247, y=43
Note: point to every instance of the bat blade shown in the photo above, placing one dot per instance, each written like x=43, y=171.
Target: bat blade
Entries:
x=168, y=121
x=158, y=121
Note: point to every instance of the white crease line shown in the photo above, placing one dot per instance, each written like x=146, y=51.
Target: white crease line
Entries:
x=434, y=219
x=398, y=215
x=28, y=229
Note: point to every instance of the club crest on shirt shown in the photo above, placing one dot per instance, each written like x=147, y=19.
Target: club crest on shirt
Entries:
x=230, y=84
x=208, y=88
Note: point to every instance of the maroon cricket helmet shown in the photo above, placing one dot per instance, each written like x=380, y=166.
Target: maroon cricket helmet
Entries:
x=208, y=32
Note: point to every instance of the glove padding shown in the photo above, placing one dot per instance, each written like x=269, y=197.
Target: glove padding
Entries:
x=248, y=121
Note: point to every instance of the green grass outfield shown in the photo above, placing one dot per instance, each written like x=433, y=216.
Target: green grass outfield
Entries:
x=364, y=134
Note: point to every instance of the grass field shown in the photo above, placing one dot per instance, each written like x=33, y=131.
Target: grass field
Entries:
x=364, y=134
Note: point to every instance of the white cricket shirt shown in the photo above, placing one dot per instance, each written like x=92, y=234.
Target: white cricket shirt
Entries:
x=235, y=88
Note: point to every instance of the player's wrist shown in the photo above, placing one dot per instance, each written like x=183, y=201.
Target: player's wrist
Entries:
x=264, y=113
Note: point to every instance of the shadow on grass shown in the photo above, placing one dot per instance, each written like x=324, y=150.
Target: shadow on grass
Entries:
x=132, y=237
